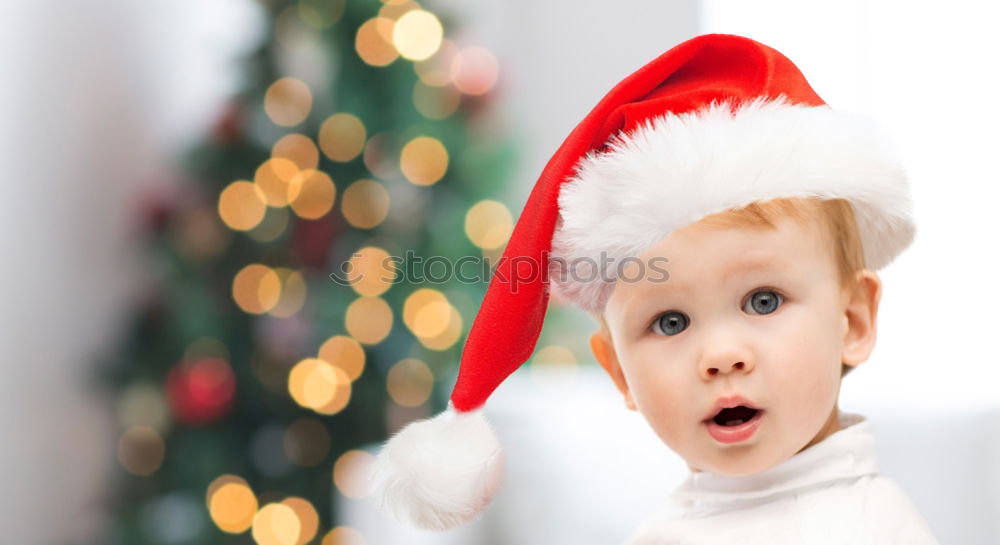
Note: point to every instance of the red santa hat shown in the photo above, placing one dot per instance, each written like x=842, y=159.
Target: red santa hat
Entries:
x=715, y=123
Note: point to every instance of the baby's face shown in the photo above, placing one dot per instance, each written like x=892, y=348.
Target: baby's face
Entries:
x=753, y=312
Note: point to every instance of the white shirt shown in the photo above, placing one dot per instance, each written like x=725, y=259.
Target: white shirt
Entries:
x=830, y=493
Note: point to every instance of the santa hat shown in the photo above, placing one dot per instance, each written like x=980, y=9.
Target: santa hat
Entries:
x=715, y=123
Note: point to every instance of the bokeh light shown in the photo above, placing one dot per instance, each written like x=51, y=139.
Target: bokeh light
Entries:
x=306, y=442
x=474, y=70
x=344, y=535
x=351, y=472
x=312, y=194
x=231, y=504
x=381, y=156
x=242, y=205
x=321, y=14
x=342, y=137
x=256, y=288
x=424, y=160
x=287, y=102
x=371, y=272
x=365, y=204
x=488, y=224
x=318, y=385
x=435, y=322
x=369, y=320
x=417, y=35
x=436, y=70
x=276, y=524
x=373, y=42
x=293, y=293
x=141, y=450
x=410, y=382
x=308, y=518
x=297, y=148
x=435, y=102
x=275, y=177
x=346, y=353
x=142, y=404
x=272, y=226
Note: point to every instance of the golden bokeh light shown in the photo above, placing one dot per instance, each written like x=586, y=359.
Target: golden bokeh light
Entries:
x=435, y=322
x=231, y=504
x=410, y=382
x=365, y=204
x=346, y=353
x=373, y=42
x=275, y=177
x=417, y=35
x=274, y=224
x=432, y=319
x=321, y=14
x=416, y=301
x=308, y=518
x=312, y=194
x=475, y=70
x=306, y=442
x=143, y=404
x=297, y=148
x=435, y=102
x=449, y=336
x=342, y=137
x=488, y=224
x=369, y=320
x=351, y=473
x=424, y=160
x=276, y=524
x=371, y=271
x=141, y=450
x=256, y=288
x=242, y=205
x=318, y=385
x=287, y=102
x=436, y=70
x=344, y=535
x=293, y=293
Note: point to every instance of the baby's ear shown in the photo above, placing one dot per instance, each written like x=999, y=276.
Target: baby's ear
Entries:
x=604, y=351
x=861, y=312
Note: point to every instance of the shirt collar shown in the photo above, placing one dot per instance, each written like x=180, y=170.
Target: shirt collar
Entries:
x=845, y=454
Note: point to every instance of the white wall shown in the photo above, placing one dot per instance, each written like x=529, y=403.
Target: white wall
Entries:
x=94, y=96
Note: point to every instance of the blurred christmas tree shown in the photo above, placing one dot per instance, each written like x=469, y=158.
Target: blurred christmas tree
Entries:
x=259, y=364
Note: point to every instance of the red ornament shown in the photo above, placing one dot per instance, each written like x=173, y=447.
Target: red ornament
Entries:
x=200, y=391
x=311, y=241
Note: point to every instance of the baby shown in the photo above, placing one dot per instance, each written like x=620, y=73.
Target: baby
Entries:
x=723, y=225
x=736, y=363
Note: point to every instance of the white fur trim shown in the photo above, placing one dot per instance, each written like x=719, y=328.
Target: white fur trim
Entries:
x=440, y=472
x=676, y=169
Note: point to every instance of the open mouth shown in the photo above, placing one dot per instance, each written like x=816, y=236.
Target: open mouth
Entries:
x=734, y=424
x=734, y=416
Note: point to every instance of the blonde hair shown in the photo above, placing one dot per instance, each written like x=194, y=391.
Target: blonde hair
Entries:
x=838, y=221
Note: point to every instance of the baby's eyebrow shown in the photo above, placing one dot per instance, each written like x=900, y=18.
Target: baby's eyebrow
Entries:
x=754, y=263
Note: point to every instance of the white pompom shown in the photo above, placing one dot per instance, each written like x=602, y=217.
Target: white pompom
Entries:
x=440, y=472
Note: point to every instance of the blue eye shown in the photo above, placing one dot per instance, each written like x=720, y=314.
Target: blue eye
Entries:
x=763, y=302
x=670, y=323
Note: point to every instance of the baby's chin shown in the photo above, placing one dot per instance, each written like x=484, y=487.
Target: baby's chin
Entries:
x=737, y=462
